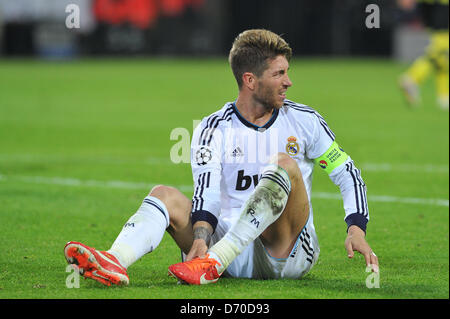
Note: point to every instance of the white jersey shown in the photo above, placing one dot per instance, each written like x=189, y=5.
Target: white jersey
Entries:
x=228, y=154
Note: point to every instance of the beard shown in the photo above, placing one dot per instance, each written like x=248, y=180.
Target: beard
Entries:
x=267, y=97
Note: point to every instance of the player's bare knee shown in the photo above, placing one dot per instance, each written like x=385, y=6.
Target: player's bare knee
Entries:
x=177, y=204
x=162, y=192
x=288, y=164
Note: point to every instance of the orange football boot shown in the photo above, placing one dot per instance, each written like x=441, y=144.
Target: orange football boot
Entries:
x=98, y=265
x=198, y=271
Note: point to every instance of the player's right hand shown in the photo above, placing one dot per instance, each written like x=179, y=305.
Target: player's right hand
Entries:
x=198, y=249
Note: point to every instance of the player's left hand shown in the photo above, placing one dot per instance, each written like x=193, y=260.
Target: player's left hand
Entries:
x=356, y=242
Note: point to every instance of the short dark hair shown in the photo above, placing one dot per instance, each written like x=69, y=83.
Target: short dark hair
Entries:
x=252, y=49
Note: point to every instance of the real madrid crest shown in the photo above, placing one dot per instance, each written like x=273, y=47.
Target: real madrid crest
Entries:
x=292, y=147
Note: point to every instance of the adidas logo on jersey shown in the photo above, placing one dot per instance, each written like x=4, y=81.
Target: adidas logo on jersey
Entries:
x=237, y=152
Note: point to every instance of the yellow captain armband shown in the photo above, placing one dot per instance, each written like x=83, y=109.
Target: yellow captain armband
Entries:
x=332, y=158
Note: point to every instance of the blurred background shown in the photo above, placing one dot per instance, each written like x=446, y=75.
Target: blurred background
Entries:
x=206, y=27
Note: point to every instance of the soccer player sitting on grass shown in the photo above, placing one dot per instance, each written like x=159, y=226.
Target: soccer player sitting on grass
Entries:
x=251, y=214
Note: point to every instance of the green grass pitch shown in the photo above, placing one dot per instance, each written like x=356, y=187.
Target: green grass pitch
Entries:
x=82, y=143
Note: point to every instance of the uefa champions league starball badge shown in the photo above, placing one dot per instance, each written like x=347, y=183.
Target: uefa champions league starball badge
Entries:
x=203, y=155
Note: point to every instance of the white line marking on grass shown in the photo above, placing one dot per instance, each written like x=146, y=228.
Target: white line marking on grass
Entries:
x=390, y=199
x=155, y=160
x=86, y=183
x=419, y=168
x=188, y=188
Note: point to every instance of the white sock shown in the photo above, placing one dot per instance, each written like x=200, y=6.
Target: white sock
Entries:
x=262, y=208
x=142, y=233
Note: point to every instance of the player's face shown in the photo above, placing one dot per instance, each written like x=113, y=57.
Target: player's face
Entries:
x=273, y=83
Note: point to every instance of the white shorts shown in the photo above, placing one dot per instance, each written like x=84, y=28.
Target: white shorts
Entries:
x=255, y=262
